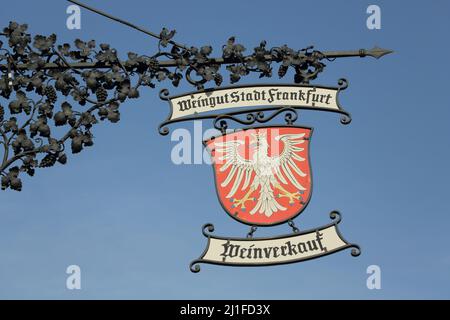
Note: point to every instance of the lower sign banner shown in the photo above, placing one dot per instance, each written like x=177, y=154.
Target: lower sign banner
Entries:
x=283, y=249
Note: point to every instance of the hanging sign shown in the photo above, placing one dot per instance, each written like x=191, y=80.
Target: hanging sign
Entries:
x=289, y=248
x=262, y=174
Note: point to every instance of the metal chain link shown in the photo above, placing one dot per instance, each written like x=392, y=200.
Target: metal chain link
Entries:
x=252, y=231
x=292, y=225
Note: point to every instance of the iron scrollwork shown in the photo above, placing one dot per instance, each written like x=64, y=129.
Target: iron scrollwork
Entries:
x=346, y=116
x=220, y=122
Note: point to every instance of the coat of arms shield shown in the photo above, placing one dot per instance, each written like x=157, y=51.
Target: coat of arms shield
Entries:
x=263, y=174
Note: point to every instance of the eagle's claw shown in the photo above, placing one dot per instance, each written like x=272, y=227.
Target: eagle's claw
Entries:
x=292, y=196
x=241, y=202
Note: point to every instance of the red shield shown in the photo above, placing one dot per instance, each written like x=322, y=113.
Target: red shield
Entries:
x=263, y=175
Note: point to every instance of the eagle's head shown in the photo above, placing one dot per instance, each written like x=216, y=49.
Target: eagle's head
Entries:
x=259, y=140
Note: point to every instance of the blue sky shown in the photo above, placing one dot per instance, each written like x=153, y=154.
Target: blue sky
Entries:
x=132, y=220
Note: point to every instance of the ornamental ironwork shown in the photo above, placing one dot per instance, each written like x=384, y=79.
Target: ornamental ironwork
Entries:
x=54, y=94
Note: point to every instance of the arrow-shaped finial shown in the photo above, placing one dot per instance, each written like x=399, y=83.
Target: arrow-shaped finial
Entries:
x=377, y=52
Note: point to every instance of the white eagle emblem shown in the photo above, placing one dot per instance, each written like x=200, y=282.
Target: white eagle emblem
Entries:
x=262, y=172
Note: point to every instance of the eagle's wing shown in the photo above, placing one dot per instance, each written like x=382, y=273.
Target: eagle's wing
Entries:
x=241, y=168
x=285, y=163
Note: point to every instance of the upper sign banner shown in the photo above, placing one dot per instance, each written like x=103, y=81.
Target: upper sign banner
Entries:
x=255, y=96
x=190, y=105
